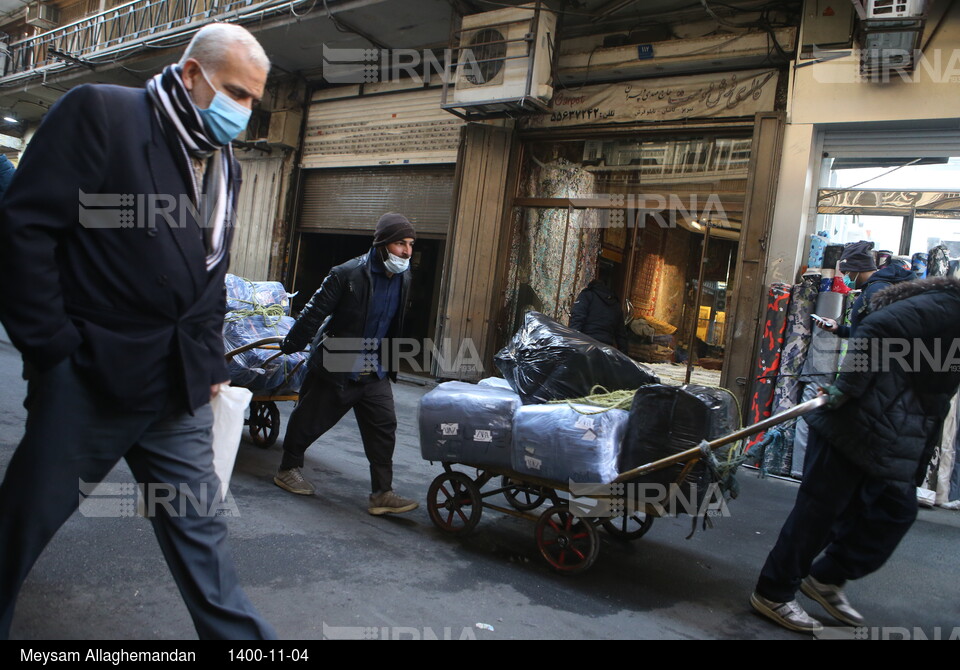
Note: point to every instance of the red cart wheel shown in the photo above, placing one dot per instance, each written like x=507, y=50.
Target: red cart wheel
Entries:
x=629, y=526
x=453, y=502
x=568, y=543
x=522, y=497
x=264, y=423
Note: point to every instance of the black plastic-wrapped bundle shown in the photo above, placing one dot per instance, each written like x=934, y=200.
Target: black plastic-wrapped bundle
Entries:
x=546, y=360
x=665, y=420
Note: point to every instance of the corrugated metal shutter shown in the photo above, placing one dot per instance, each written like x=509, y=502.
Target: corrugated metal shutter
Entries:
x=406, y=128
x=352, y=200
x=891, y=143
x=256, y=216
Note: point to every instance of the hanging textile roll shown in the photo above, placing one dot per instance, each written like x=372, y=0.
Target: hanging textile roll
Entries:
x=938, y=264
x=799, y=331
x=884, y=259
x=918, y=264
x=768, y=360
x=818, y=245
x=823, y=353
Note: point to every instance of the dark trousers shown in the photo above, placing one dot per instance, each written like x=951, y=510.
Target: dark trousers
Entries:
x=321, y=406
x=855, y=520
x=75, y=437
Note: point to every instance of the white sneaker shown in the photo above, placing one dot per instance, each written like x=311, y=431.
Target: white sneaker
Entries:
x=789, y=614
x=833, y=600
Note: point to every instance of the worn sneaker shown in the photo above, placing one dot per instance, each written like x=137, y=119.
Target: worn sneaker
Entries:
x=833, y=600
x=292, y=480
x=789, y=615
x=389, y=502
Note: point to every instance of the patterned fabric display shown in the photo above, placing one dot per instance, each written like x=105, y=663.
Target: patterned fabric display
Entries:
x=768, y=362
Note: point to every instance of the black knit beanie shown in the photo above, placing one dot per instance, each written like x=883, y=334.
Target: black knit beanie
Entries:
x=391, y=228
x=858, y=257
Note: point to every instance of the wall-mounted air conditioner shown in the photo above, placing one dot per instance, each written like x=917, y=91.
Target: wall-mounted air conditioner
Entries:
x=505, y=59
x=42, y=15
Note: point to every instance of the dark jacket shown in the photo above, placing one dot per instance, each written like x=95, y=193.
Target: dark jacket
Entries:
x=893, y=420
x=597, y=314
x=879, y=280
x=133, y=305
x=6, y=173
x=345, y=297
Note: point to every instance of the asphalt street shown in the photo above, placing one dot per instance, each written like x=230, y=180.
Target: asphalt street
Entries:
x=321, y=567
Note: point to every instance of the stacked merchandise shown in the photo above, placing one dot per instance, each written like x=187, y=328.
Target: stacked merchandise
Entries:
x=568, y=442
x=258, y=310
x=546, y=360
x=666, y=420
x=468, y=423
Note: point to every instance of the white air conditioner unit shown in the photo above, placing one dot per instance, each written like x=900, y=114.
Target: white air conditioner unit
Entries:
x=505, y=55
x=890, y=9
x=42, y=16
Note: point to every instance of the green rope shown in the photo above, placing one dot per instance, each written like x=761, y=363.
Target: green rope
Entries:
x=602, y=399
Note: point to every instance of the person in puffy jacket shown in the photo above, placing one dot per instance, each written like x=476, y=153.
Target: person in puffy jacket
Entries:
x=597, y=313
x=6, y=173
x=868, y=450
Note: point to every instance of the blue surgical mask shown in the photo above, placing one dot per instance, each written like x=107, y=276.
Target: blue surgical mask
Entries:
x=224, y=118
x=850, y=281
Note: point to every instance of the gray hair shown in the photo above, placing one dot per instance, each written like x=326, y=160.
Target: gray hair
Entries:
x=214, y=41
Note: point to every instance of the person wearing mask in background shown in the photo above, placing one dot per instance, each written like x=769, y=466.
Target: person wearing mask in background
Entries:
x=859, y=267
x=118, y=311
x=365, y=300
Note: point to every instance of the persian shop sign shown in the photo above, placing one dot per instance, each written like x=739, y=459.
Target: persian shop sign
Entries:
x=670, y=99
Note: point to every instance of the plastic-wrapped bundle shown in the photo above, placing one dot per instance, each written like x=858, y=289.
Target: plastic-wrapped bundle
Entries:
x=818, y=245
x=496, y=382
x=262, y=370
x=546, y=360
x=467, y=423
x=665, y=420
x=562, y=442
x=884, y=258
x=243, y=294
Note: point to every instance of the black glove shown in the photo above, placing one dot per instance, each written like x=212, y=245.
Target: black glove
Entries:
x=287, y=347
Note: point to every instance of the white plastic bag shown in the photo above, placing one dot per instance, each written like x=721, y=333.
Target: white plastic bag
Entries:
x=229, y=407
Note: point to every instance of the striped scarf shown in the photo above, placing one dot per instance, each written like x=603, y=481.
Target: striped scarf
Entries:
x=175, y=110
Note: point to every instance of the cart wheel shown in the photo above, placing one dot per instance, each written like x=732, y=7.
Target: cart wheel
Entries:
x=522, y=498
x=629, y=526
x=453, y=502
x=568, y=543
x=264, y=423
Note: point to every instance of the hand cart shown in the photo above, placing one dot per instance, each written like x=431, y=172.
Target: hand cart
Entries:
x=264, y=421
x=566, y=535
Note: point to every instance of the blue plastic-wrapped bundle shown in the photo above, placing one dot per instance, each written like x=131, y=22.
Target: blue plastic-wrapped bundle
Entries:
x=243, y=294
x=262, y=370
x=467, y=423
x=564, y=442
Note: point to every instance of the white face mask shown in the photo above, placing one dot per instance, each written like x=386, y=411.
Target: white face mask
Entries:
x=395, y=264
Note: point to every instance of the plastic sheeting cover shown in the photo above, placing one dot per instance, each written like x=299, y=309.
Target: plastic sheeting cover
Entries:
x=665, y=420
x=254, y=369
x=467, y=423
x=546, y=360
x=562, y=442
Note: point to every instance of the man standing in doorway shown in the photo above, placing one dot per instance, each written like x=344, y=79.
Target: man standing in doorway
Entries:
x=117, y=308
x=350, y=320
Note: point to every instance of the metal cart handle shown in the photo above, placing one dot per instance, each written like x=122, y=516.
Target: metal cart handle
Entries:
x=683, y=456
x=274, y=339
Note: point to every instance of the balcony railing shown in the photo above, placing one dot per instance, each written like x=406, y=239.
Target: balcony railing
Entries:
x=123, y=26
